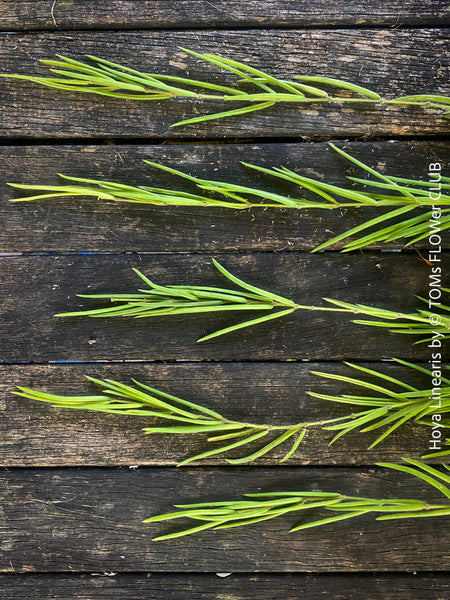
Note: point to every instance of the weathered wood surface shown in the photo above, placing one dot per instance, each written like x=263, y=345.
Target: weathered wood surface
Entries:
x=66, y=521
x=88, y=224
x=154, y=586
x=392, y=62
x=37, y=287
x=62, y=520
x=123, y=14
x=35, y=434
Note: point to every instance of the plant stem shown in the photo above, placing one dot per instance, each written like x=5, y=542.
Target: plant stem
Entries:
x=387, y=406
x=401, y=196
x=266, y=506
x=180, y=300
x=106, y=78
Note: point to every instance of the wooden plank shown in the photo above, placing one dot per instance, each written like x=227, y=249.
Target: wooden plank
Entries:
x=35, y=434
x=37, y=287
x=88, y=224
x=31, y=15
x=154, y=586
x=90, y=520
x=379, y=61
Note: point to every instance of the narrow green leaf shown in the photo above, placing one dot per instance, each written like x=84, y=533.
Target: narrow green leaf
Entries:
x=423, y=98
x=342, y=84
x=178, y=534
x=229, y=436
x=419, y=368
x=384, y=178
x=251, y=288
x=372, y=222
x=190, y=513
x=241, y=442
x=281, y=313
x=358, y=382
x=265, y=449
x=191, y=429
x=430, y=470
x=228, y=113
x=418, y=473
x=295, y=446
x=382, y=376
x=400, y=420
x=431, y=513
x=329, y=520
x=167, y=396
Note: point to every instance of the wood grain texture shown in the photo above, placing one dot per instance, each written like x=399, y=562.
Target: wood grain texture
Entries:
x=90, y=520
x=162, y=14
x=37, y=287
x=66, y=512
x=88, y=224
x=35, y=434
x=392, y=62
x=154, y=586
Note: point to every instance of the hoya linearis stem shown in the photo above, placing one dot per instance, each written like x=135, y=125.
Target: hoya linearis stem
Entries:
x=405, y=207
x=382, y=402
x=335, y=506
x=176, y=300
x=254, y=90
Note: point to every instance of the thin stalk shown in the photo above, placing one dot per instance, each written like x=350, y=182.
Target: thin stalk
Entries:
x=265, y=506
x=386, y=407
x=183, y=418
x=157, y=300
x=406, y=208
x=254, y=89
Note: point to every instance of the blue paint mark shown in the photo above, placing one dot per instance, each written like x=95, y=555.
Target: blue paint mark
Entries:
x=64, y=362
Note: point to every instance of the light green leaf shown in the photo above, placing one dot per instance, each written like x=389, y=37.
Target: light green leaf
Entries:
x=281, y=313
x=228, y=113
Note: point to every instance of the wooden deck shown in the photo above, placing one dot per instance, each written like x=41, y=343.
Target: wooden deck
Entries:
x=75, y=486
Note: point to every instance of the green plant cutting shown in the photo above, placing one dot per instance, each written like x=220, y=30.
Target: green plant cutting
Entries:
x=158, y=300
x=390, y=403
x=254, y=90
x=264, y=506
x=400, y=196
